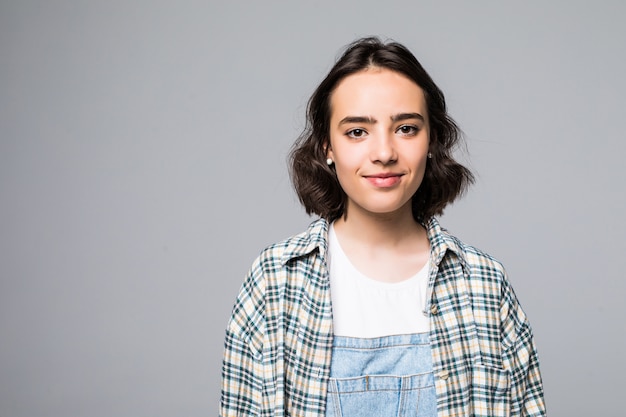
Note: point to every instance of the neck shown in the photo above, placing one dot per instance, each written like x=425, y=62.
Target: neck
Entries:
x=376, y=229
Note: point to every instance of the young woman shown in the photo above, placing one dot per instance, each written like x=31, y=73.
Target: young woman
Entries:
x=376, y=310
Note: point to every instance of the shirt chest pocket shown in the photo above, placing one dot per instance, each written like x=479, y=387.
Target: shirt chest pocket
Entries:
x=484, y=390
x=491, y=391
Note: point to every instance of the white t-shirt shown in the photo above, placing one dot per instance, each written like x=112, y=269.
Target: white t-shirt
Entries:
x=363, y=307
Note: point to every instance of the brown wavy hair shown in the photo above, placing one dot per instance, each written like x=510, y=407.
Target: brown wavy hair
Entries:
x=316, y=183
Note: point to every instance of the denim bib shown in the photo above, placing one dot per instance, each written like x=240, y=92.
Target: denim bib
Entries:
x=383, y=376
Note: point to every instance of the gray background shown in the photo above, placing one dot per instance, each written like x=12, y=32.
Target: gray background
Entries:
x=142, y=168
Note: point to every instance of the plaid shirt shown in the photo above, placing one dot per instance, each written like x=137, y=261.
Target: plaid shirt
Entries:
x=279, y=338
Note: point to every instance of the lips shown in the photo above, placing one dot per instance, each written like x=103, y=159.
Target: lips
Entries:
x=384, y=180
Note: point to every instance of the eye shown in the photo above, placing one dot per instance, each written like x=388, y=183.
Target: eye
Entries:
x=356, y=133
x=408, y=130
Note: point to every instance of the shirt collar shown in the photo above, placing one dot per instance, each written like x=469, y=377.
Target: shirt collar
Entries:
x=441, y=241
x=315, y=237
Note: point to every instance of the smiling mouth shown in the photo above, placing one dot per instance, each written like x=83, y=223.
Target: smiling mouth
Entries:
x=384, y=180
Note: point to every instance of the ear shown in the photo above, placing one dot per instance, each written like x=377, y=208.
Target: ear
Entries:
x=329, y=150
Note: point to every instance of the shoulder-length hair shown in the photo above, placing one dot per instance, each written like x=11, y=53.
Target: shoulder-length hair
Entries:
x=316, y=183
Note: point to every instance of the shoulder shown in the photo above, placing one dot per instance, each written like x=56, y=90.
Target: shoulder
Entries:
x=480, y=263
x=471, y=258
x=274, y=265
x=496, y=311
x=272, y=271
x=485, y=278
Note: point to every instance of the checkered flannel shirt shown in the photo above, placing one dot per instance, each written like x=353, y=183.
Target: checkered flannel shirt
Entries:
x=279, y=338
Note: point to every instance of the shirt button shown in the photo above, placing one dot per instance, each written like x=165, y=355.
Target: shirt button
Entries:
x=434, y=310
x=444, y=375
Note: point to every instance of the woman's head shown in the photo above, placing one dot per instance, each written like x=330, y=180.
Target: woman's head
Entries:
x=316, y=182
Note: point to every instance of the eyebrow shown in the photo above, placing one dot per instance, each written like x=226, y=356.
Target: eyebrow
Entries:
x=406, y=116
x=370, y=120
x=357, y=119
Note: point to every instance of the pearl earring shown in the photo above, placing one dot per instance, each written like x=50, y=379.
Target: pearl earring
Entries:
x=329, y=161
x=430, y=155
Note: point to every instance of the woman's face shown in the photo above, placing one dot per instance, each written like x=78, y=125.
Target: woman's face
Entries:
x=379, y=136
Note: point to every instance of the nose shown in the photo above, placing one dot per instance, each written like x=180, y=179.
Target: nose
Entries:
x=383, y=150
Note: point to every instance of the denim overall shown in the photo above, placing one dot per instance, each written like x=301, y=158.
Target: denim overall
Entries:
x=383, y=376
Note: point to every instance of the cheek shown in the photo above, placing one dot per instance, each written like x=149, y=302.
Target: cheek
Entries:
x=343, y=174
x=346, y=175
x=346, y=158
x=422, y=166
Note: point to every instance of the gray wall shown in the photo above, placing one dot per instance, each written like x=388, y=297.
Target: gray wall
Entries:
x=142, y=168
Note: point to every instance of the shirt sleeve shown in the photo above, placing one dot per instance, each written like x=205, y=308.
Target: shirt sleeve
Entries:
x=519, y=356
x=242, y=368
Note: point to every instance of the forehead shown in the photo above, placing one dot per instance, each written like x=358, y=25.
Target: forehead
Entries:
x=376, y=91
